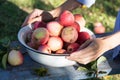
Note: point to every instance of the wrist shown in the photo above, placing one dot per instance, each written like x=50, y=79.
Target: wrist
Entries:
x=55, y=13
x=113, y=40
x=68, y=5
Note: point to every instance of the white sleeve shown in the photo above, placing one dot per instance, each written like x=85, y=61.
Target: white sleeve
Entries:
x=88, y=3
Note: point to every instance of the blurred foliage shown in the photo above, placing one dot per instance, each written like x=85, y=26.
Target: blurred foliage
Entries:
x=102, y=11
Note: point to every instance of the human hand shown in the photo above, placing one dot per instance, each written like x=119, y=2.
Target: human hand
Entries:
x=89, y=51
x=37, y=15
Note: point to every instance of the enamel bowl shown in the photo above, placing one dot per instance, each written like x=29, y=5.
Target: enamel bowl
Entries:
x=53, y=60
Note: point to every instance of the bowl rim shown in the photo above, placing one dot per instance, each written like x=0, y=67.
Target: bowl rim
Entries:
x=29, y=48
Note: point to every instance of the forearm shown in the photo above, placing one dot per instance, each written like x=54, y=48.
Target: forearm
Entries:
x=68, y=5
x=113, y=40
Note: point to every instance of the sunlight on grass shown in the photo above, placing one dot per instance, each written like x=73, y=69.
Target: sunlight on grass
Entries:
x=107, y=78
x=111, y=77
x=56, y=3
x=23, y=3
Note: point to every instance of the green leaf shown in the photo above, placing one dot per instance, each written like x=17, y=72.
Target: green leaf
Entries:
x=4, y=60
x=2, y=48
x=90, y=73
x=94, y=66
x=41, y=71
x=82, y=69
x=6, y=42
x=100, y=60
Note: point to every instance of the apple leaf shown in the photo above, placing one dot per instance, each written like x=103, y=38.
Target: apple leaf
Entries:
x=82, y=69
x=100, y=60
x=94, y=66
x=41, y=71
x=2, y=49
x=4, y=60
x=90, y=73
x=6, y=43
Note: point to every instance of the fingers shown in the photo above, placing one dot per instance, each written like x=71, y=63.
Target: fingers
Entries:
x=89, y=51
x=34, y=16
x=34, y=20
x=84, y=60
x=85, y=54
x=35, y=13
x=30, y=21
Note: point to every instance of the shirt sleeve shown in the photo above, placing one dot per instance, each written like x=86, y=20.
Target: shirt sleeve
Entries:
x=87, y=3
x=116, y=51
x=117, y=23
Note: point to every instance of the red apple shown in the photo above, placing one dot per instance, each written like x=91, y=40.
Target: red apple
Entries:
x=80, y=20
x=39, y=24
x=69, y=34
x=72, y=47
x=15, y=58
x=76, y=26
x=99, y=28
x=66, y=18
x=54, y=28
x=32, y=45
x=40, y=36
x=65, y=45
x=82, y=37
x=61, y=51
x=44, y=49
x=55, y=43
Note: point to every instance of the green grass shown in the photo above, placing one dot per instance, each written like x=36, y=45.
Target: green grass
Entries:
x=13, y=13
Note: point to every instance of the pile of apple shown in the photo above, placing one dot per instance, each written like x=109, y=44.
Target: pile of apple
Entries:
x=60, y=36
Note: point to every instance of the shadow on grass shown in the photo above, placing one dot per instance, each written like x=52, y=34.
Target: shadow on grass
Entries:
x=12, y=17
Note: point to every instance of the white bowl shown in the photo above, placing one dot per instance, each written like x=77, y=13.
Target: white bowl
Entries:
x=53, y=60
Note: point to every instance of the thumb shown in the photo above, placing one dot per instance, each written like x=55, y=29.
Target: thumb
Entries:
x=39, y=18
x=30, y=21
x=84, y=45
